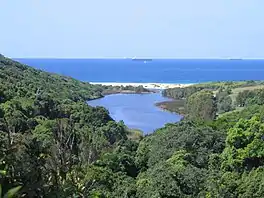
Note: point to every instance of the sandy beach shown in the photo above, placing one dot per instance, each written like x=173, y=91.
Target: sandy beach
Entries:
x=145, y=85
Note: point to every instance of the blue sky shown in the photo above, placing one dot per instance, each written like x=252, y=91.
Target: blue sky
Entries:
x=143, y=28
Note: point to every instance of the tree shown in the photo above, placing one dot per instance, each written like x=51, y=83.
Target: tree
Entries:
x=244, y=146
x=175, y=177
x=224, y=104
x=2, y=96
x=201, y=106
x=251, y=184
x=243, y=96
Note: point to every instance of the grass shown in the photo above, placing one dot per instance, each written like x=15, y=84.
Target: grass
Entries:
x=234, y=94
x=226, y=113
x=235, y=91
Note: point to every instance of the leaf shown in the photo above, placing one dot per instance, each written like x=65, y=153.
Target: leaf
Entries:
x=3, y=172
x=0, y=190
x=12, y=192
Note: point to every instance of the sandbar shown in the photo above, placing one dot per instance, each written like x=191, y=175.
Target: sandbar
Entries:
x=145, y=85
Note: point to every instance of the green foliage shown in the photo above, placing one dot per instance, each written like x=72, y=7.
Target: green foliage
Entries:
x=251, y=184
x=224, y=154
x=52, y=144
x=201, y=105
x=229, y=95
x=12, y=192
x=250, y=97
x=173, y=160
x=175, y=177
x=124, y=89
x=224, y=101
x=244, y=145
x=197, y=140
x=23, y=81
x=50, y=136
x=225, y=105
x=183, y=93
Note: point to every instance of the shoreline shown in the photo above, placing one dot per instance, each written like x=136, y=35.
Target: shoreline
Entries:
x=172, y=106
x=145, y=85
x=125, y=92
x=153, y=88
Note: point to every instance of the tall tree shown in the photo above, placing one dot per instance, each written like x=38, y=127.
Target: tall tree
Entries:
x=201, y=106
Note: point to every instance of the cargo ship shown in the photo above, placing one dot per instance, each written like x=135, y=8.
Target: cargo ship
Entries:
x=235, y=59
x=141, y=59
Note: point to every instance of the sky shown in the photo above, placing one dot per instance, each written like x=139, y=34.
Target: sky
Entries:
x=122, y=28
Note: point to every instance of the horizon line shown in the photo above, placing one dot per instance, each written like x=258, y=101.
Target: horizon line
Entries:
x=153, y=58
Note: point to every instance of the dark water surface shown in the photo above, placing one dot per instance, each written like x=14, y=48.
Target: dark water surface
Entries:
x=138, y=111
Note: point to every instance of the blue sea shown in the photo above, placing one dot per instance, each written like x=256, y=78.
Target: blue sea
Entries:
x=138, y=111
x=157, y=70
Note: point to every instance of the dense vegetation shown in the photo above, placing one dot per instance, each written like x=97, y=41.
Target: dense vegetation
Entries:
x=53, y=144
x=201, y=105
x=51, y=139
x=183, y=93
x=228, y=95
x=125, y=89
x=250, y=97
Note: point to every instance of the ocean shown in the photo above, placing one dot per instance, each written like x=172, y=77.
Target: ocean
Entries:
x=157, y=70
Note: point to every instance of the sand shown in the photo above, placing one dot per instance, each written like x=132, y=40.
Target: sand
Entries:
x=145, y=85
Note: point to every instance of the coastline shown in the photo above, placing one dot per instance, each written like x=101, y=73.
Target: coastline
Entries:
x=145, y=85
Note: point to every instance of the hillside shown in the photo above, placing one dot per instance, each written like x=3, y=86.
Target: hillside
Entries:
x=27, y=80
x=48, y=131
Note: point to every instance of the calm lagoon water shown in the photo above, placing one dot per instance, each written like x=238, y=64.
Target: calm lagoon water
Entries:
x=138, y=111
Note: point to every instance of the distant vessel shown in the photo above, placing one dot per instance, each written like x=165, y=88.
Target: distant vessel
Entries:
x=141, y=59
x=235, y=59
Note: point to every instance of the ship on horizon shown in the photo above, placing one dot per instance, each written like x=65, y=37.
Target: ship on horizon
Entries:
x=141, y=59
x=235, y=59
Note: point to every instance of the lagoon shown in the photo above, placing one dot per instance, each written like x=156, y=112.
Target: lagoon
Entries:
x=138, y=111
